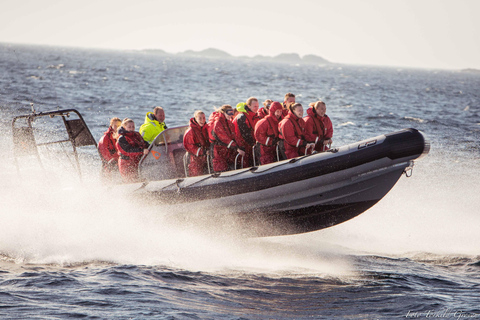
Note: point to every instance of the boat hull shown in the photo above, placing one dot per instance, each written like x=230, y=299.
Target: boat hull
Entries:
x=293, y=196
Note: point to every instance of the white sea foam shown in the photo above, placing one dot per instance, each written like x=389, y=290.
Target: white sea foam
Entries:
x=415, y=119
x=50, y=217
x=435, y=211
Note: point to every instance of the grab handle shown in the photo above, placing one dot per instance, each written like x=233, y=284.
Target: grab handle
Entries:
x=236, y=158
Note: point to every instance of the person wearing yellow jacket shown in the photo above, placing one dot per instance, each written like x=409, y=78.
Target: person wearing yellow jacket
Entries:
x=154, y=124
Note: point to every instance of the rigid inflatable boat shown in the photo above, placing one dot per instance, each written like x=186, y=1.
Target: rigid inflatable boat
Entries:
x=303, y=194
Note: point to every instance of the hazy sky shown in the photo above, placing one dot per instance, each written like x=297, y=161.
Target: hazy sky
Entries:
x=409, y=33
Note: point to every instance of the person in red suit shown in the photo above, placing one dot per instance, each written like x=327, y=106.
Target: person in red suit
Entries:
x=318, y=126
x=292, y=131
x=263, y=112
x=197, y=144
x=108, y=150
x=245, y=128
x=131, y=147
x=266, y=133
x=225, y=147
x=288, y=100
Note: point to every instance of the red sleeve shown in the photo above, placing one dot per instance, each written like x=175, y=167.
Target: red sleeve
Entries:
x=191, y=145
x=126, y=149
x=328, y=127
x=289, y=135
x=309, y=125
x=261, y=130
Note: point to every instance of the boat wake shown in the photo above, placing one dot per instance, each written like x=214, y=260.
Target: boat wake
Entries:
x=50, y=217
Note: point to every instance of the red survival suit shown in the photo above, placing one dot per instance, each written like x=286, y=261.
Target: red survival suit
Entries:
x=266, y=133
x=196, y=143
x=130, y=145
x=108, y=152
x=224, y=145
x=285, y=111
x=262, y=113
x=292, y=130
x=317, y=129
x=244, y=124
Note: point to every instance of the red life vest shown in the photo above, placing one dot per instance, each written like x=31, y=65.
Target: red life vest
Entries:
x=262, y=113
x=266, y=130
x=106, y=146
x=245, y=127
x=223, y=132
x=196, y=140
x=130, y=145
x=314, y=127
x=292, y=130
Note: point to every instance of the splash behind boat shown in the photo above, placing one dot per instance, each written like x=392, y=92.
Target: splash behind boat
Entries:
x=293, y=196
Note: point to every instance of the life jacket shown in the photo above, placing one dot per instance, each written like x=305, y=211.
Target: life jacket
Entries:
x=196, y=140
x=327, y=123
x=210, y=123
x=106, y=146
x=294, y=135
x=314, y=127
x=223, y=132
x=244, y=124
x=151, y=128
x=262, y=113
x=130, y=144
x=266, y=129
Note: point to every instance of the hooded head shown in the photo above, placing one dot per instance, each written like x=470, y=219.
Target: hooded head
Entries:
x=274, y=107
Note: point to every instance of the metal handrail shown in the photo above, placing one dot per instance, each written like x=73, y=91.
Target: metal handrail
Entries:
x=278, y=152
x=185, y=163
x=236, y=158
x=208, y=163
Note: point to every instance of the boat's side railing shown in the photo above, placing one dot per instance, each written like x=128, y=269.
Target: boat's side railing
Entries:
x=236, y=161
x=281, y=156
x=185, y=163
x=256, y=151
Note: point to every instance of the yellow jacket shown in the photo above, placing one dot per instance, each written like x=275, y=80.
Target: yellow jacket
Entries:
x=151, y=128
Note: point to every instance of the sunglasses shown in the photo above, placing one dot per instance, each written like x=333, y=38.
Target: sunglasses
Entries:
x=230, y=112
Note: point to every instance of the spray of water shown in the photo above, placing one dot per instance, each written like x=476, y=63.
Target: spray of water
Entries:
x=434, y=211
x=49, y=217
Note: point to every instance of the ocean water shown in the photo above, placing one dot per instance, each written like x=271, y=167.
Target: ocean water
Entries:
x=72, y=249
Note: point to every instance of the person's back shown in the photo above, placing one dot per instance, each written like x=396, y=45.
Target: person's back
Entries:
x=154, y=124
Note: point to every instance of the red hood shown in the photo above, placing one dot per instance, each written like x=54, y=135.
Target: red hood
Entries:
x=274, y=107
x=213, y=117
x=311, y=112
x=194, y=124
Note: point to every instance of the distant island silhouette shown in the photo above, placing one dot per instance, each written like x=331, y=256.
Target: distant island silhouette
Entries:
x=471, y=70
x=213, y=53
